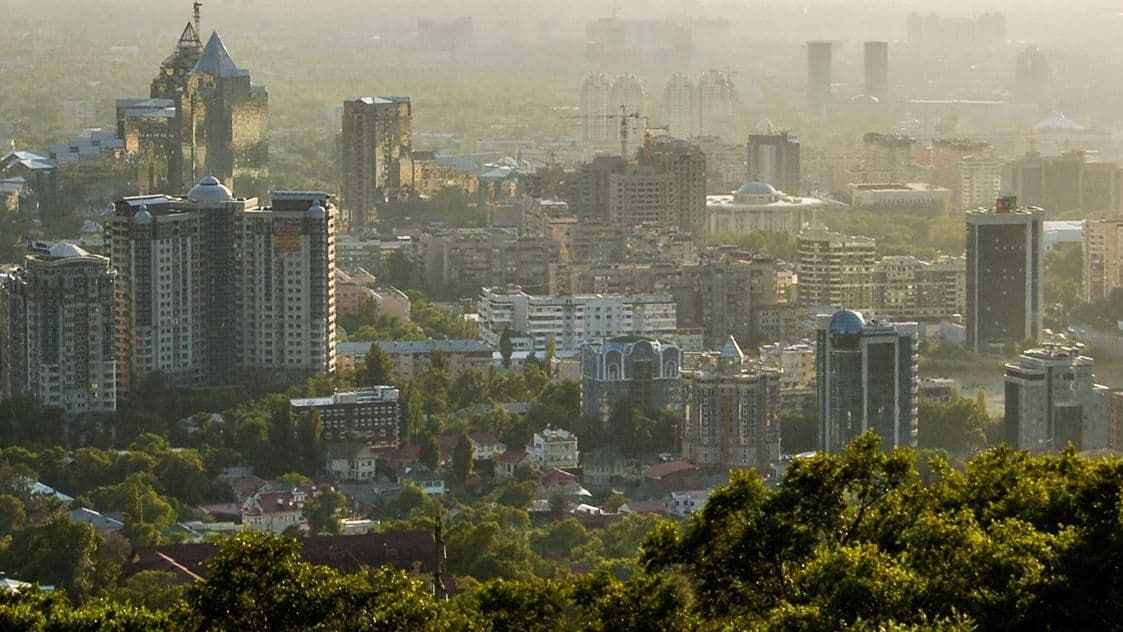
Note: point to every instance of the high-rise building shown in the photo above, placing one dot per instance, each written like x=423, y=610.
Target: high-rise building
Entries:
x=1052, y=400
x=596, y=106
x=284, y=305
x=725, y=295
x=978, y=181
x=56, y=323
x=679, y=106
x=1103, y=267
x=906, y=288
x=1067, y=182
x=716, y=99
x=867, y=379
x=818, y=75
x=376, y=145
x=685, y=165
x=835, y=270
x=1005, y=273
x=212, y=290
x=643, y=371
x=877, y=70
x=641, y=194
x=628, y=93
x=1031, y=75
x=203, y=117
x=774, y=159
x=588, y=195
x=887, y=157
x=731, y=412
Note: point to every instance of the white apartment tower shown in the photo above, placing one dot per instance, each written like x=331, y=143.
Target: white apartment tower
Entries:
x=57, y=328
x=678, y=103
x=285, y=303
x=596, y=94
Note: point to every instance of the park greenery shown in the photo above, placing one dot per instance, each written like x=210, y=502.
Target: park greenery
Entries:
x=862, y=540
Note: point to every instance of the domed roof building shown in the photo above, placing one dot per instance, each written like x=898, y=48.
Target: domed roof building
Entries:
x=759, y=206
x=209, y=191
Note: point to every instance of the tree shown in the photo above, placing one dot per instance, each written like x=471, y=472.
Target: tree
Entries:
x=551, y=351
x=69, y=555
x=379, y=368
x=430, y=455
x=324, y=511
x=506, y=348
x=463, y=458
x=413, y=412
x=959, y=426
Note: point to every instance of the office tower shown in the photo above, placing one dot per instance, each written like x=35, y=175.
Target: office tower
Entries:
x=1031, y=75
x=1067, y=182
x=628, y=92
x=203, y=117
x=716, y=97
x=867, y=379
x=646, y=372
x=679, y=106
x=1103, y=268
x=685, y=164
x=835, y=270
x=877, y=70
x=1005, y=272
x=212, y=290
x=596, y=106
x=376, y=146
x=1052, y=400
x=818, y=75
x=284, y=306
x=57, y=326
x=731, y=412
x=774, y=159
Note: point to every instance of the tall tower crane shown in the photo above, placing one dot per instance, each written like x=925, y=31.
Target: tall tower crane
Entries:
x=623, y=117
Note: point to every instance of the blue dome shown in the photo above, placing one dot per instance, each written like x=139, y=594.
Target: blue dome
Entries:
x=756, y=188
x=846, y=327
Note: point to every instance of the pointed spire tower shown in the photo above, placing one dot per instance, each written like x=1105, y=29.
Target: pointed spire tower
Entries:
x=216, y=62
x=175, y=67
x=732, y=358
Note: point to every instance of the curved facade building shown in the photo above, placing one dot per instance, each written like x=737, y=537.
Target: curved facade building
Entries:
x=867, y=378
x=644, y=370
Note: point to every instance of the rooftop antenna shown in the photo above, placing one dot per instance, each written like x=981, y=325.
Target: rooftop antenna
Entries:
x=196, y=6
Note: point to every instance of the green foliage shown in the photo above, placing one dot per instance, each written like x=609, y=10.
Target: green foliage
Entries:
x=325, y=510
x=960, y=426
x=903, y=233
x=768, y=243
x=463, y=458
x=379, y=368
x=71, y=556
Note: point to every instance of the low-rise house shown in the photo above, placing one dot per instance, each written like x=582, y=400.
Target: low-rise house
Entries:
x=275, y=511
x=553, y=447
x=432, y=482
x=507, y=463
x=554, y=481
x=672, y=476
x=683, y=504
x=644, y=507
x=351, y=461
x=606, y=466
x=486, y=445
x=97, y=520
x=400, y=457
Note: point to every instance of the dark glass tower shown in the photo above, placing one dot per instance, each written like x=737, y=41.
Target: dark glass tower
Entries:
x=867, y=378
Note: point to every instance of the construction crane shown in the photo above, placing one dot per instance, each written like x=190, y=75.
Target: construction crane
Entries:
x=623, y=116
